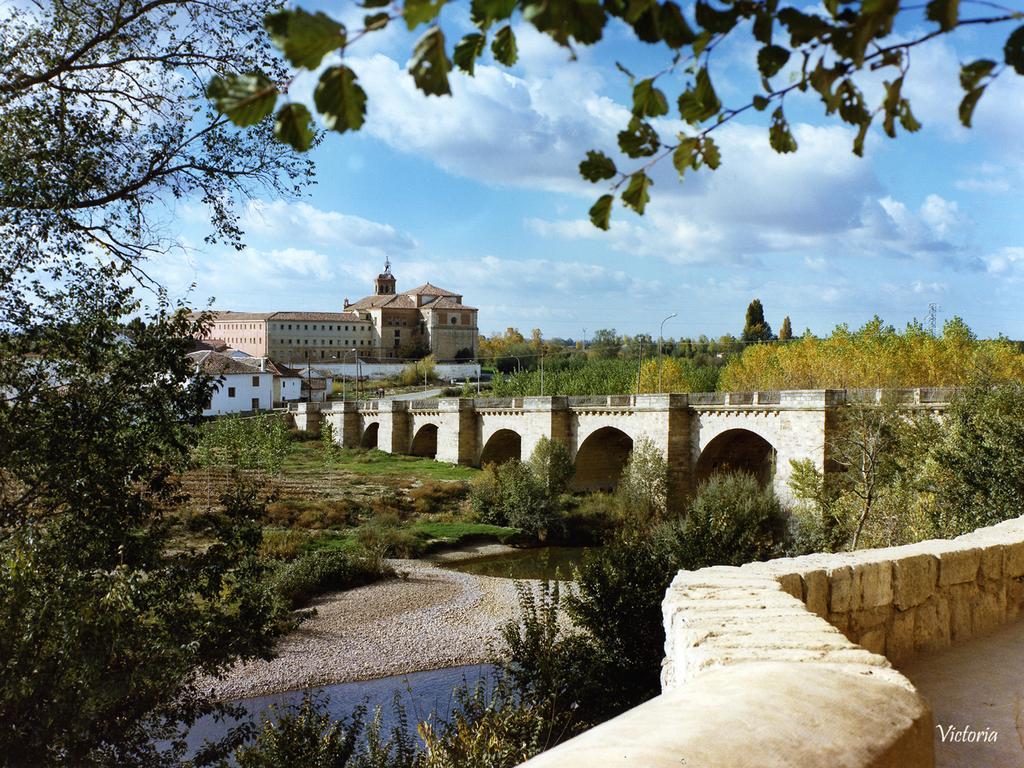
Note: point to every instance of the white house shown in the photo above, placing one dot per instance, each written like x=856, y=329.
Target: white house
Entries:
x=241, y=387
x=287, y=381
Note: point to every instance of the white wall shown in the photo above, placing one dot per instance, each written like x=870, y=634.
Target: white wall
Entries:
x=286, y=389
x=383, y=370
x=221, y=403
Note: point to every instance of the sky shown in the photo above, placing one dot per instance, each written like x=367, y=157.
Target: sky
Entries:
x=480, y=194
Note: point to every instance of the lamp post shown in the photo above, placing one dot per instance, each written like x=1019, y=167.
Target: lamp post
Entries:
x=660, y=330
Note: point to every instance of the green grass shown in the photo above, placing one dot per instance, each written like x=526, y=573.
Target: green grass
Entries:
x=308, y=456
x=429, y=536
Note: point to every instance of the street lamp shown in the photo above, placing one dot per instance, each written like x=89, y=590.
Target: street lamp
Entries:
x=660, y=330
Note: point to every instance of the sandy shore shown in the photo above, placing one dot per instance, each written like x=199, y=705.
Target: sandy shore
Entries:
x=433, y=619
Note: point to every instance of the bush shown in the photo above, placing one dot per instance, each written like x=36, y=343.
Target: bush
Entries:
x=432, y=498
x=643, y=487
x=281, y=545
x=314, y=573
x=552, y=465
x=510, y=494
x=383, y=536
x=591, y=519
x=732, y=520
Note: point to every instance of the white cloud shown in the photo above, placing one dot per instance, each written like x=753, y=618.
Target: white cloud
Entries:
x=300, y=222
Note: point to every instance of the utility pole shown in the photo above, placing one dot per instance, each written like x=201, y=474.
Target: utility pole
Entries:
x=660, y=331
x=542, y=372
x=933, y=311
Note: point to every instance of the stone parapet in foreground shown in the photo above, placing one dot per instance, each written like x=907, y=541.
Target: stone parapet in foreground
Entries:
x=788, y=662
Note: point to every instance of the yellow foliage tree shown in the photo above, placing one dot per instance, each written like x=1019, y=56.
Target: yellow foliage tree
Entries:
x=876, y=355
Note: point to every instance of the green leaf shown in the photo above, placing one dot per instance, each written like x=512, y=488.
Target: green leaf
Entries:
x=685, y=155
x=763, y=24
x=467, y=51
x=416, y=12
x=701, y=102
x=1013, y=51
x=485, y=12
x=639, y=140
x=760, y=103
x=304, y=38
x=504, y=46
x=597, y=167
x=713, y=20
x=567, y=20
x=675, y=31
x=601, y=212
x=945, y=13
x=779, y=135
x=375, y=3
x=430, y=64
x=340, y=99
x=970, y=101
x=772, y=58
x=891, y=106
x=648, y=101
x=375, y=21
x=803, y=27
x=709, y=151
x=907, y=119
x=294, y=125
x=243, y=99
x=971, y=74
x=701, y=43
x=858, y=141
x=635, y=195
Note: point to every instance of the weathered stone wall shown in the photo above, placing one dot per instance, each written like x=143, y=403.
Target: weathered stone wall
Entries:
x=781, y=663
x=921, y=597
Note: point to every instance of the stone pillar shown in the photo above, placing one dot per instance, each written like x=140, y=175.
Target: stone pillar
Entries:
x=344, y=420
x=307, y=417
x=803, y=419
x=457, y=432
x=393, y=434
x=669, y=428
x=548, y=417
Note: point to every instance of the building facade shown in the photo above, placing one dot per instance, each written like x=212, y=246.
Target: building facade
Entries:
x=241, y=387
x=414, y=322
x=295, y=337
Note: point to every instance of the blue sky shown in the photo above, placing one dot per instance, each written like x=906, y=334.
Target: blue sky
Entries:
x=480, y=194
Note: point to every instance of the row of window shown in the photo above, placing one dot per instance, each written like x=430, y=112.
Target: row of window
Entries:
x=323, y=342
x=305, y=327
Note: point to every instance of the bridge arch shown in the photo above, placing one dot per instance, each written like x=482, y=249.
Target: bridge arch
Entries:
x=424, y=442
x=370, y=436
x=600, y=459
x=504, y=445
x=737, y=450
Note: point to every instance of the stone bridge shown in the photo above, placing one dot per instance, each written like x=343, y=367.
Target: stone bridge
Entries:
x=760, y=432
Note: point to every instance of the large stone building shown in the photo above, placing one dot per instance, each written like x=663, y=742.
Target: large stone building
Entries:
x=296, y=337
x=426, y=318
x=387, y=325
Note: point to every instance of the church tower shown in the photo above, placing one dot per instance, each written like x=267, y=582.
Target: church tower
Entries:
x=384, y=285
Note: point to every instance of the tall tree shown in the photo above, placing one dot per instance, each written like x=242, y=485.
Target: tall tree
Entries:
x=786, y=331
x=108, y=619
x=755, y=327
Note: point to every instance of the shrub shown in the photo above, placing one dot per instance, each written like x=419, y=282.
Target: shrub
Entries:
x=643, y=487
x=510, y=494
x=432, y=498
x=592, y=519
x=552, y=465
x=383, y=536
x=732, y=520
x=319, y=571
x=281, y=545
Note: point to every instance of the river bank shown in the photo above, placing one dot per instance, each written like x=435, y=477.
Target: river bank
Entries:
x=429, y=618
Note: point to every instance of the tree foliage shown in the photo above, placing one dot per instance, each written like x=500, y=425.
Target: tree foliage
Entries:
x=829, y=52
x=876, y=355
x=755, y=327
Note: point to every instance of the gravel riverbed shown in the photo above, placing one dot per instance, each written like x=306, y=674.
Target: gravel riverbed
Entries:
x=435, y=618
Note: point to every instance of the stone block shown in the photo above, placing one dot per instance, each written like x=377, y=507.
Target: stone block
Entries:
x=989, y=611
x=913, y=580
x=962, y=598
x=873, y=641
x=992, y=556
x=815, y=593
x=791, y=584
x=1013, y=562
x=899, y=644
x=840, y=589
x=869, y=618
x=875, y=582
x=958, y=566
x=841, y=621
x=1014, y=599
x=931, y=624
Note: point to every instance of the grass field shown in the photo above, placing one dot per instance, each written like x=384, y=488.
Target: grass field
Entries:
x=308, y=456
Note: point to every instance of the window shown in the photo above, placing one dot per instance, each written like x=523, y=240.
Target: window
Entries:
x=255, y=403
x=397, y=333
x=321, y=354
x=454, y=319
x=231, y=391
x=255, y=381
x=305, y=327
x=332, y=342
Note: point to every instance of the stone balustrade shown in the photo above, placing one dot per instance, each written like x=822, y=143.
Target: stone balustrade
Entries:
x=789, y=662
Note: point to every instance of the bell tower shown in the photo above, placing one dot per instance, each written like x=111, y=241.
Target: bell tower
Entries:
x=384, y=285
